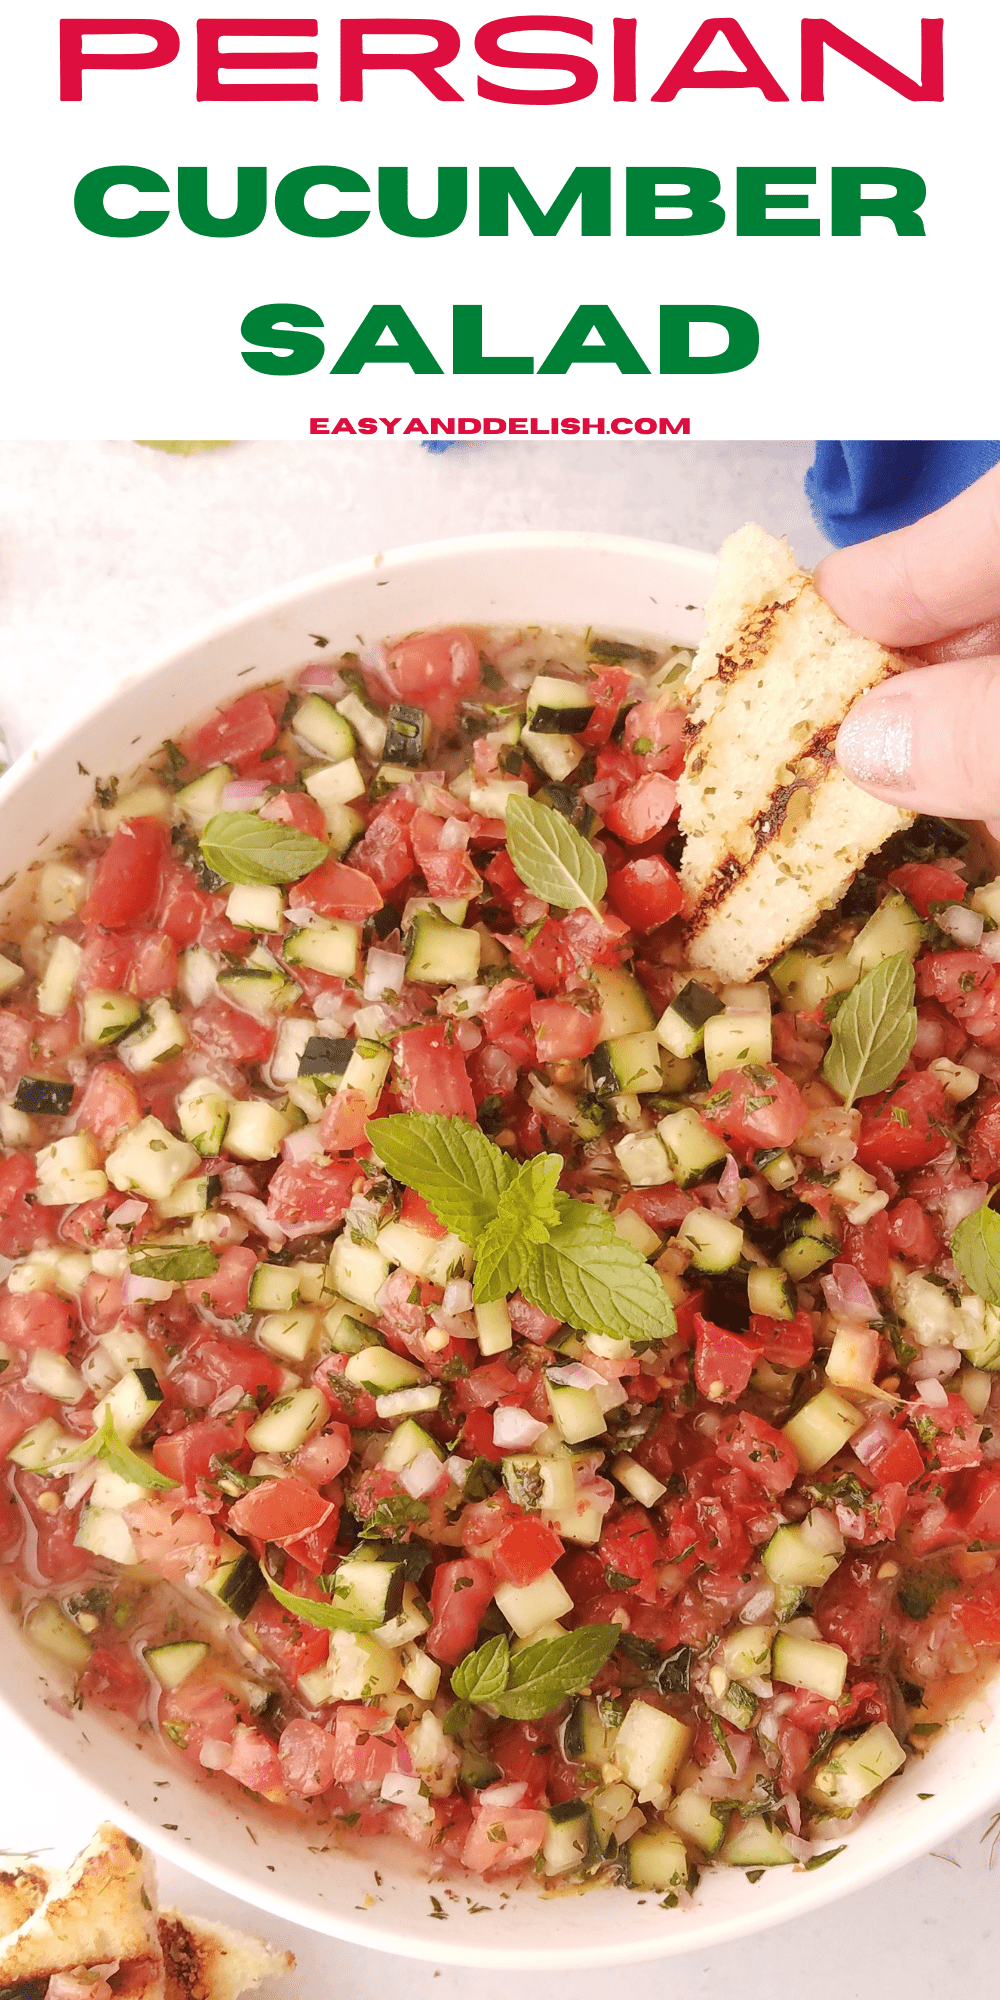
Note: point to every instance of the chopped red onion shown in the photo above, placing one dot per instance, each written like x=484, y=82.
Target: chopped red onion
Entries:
x=375, y=660
x=759, y=1606
x=515, y=1429
x=215, y=1755
x=238, y=1180
x=227, y=1400
x=243, y=795
x=138, y=1291
x=933, y=1366
x=256, y=1214
x=576, y=1375
x=128, y=1212
x=385, y=972
x=457, y=1296
x=502, y=1796
x=965, y=926
x=960, y=1202
x=468, y=1036
x=402, y=1788
x=990, y=946
x=847, y=1296
x=729, y=1186
x=455, y=834
x=421, y=1475
x=933, y=1392
x=793, y=1810
x=305, y=1144
x=802, y=1849
x=458, y=1326
x=598, y=1493
x=866, y=1444
x=319, y=679
x=458, y=1469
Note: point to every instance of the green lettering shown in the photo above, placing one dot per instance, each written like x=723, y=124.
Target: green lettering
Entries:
x=467, y=348
x=676, y=357
x=408, y=346
x=756, y=197
x=88, y=201
x=899, y=208
x=290, y=201
x=394, y=202
x=251, y=202
x=615, y=347
x=648, y=190
x=590, y=186
x=274, y=327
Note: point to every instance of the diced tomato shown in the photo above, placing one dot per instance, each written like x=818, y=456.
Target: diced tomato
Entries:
x=297, y=809
x=227, y=1031
x=759, y=1450
x=310, y=1196
x=900, y=1463
x=524, y=1550
x=335, y=890
x=226, y=1291
x=903, y=1130
x=348, y=1403
x=384, y=853
x=485, y=1386
x=607, y=691
x=984, y=1143
x=20, y=1408
x=477, y=1437
x=254, y=1762
x=852, y=1608
x=509, y=892
x=645, y=893
x=307, y=1758
x=113, y=1680
x=342, y=1126
x=199, y=1712
x=110, y=1104
x=23, y=1224
x=435, y=670
x=755, y=1108
x=432, y=1072
x=630, y=1547
x=186, y=1455
x=958, y=979
x=295, y=1646
x=643, y=810
x=36, y=1319
x=592, y=943
x=460, y=1593
x=912, y=1234
x=419, y=1215
x=210, y=1365
x=127, y=883
x=525, y=1753
x=724, y=1361
x=785, y=1343
x=446, y=868
x=866, y=1246
x=564, y=1032
x=924, y=883
x=978, y=1617
x=501, y=1839
x=530, y=1322
x=292, y=1513
x=170, y=1538
x=507, y=1008
x=662, y=1207
x=547, y=960
x=235, y=735
x=367, y=1746
x=323, y=1457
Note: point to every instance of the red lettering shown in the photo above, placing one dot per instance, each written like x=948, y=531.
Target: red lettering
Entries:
x=212, y=90
x=624, y=51
x=517, y=426
x=319, y=427
x=593, y=424
x=621, y=426
x=819, y=34
x=681, y=429
x=415, y=425
x=425, y=64
x=342, y=424
x=490, y=50
x=468, y=426
x=754, y=75
x=493, y=426
x=73, y=60
x=368, y=426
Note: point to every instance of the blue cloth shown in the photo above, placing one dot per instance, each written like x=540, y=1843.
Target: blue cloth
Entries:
x=862, y=488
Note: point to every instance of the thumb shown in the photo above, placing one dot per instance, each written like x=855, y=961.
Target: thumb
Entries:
x=927, y=740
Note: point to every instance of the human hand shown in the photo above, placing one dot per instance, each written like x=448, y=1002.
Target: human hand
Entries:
x=928, y=741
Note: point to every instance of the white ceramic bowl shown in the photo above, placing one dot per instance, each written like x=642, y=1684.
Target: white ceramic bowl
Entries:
x=578, y=580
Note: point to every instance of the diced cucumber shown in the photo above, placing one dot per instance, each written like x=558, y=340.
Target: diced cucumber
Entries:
x=344, y=824
x=650, y=1746
x=405, y=1444
x=422, y=1676
x=11, y=974
x=412, y=1621
x=52, y=1375
x=256, y=907
x=131, y=1403
x=716, y=1244
x=357, y=1271
x=441, y=954
x=406, y=733
x=693, y=1152
x=567, y=1837
x=629, y=1063
x=358, y=1668
x=274, y=1288
x=236, y=1581
x=292, y=1335
x=643, y=1159
x=695, y=1819
x=810, y=1663
x=528, y=1606
x=175, y=1663
x=48, y=1627
x=777, y=1166
x=105, y=1532
x=820, y=1429
x=388, y=778
x=203, y=1114
x=576, y=1412
x=752, y=1843
x=367, y=1070
x=657, y=1860
x=608, y=1808
x=853, y=1357
x=771, y=1292
x=55, y=988
x=147, y=801
x=855, y=1769
x=197, y=972
x=808, y=1251
x=805, y=981
x=382, y=1372
x=556, y=756
x=255, y=1130
x=894, y=927
x=625, y=1010
x=533, y=1481
x=746, y=1652
x=586, y=1738
x=736, y=1041
x=330, y=945
x=41, y=1447
x=558, y=707
x=289, y=1421
x=202, y=799
x=412, y=1248
x=161, y=1037
x=107, y=1016
x=69, y=1171
x=804, y=1553
x=681, y=1027
x=631, y=1227
x=493, y=799
x=493, y=1328
x=366, y=722
x=335, y=785
x=369, y=1593
x=342, y=1333
x=642, y=1485
x=61, y=890
x=324, y=729
x=259, y=987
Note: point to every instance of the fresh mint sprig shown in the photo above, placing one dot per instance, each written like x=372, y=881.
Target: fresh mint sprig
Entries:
x=873, y=1030
x=525, y=1686
x=242, y=847
x=565, y=1256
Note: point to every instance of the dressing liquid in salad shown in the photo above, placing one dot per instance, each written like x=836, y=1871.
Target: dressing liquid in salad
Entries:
x=464, y=1377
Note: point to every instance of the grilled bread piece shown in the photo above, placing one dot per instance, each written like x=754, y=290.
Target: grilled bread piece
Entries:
x=211, y=1962
x=21, y=1891
x=102, y=1909
x=775, y=831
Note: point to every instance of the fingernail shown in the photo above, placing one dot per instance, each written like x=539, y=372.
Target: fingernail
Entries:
x=875, y=741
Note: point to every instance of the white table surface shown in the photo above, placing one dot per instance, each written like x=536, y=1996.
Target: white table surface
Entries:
x=106, y=552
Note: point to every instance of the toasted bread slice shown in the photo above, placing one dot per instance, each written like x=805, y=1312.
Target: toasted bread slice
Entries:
x=102, y=1909
x=774, y=830
x=21, y=1891
x=211, y=1962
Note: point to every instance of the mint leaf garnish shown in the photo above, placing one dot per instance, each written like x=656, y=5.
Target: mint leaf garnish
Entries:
x=544, y=1674
x=106, y=1444
x=329, y=1617
x=975, y=1246
x=586, y=1275
x=873, y=1031
x=482, y=1676
x=174, y=1267
x=526, y=1213
x=458, y=1171
x=552, y=858
x=242, y=847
